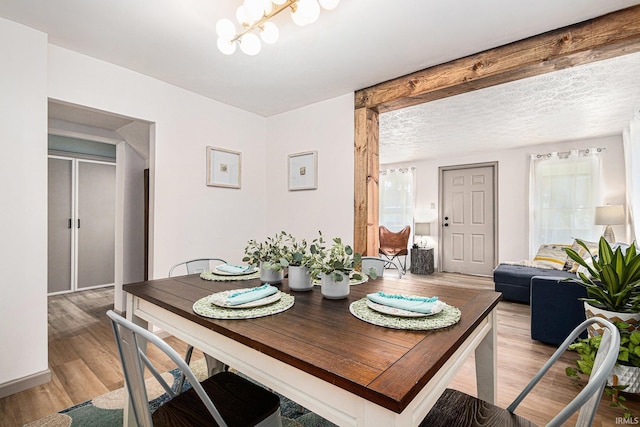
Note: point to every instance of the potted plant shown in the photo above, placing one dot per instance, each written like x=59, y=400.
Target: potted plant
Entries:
x=334, y=266
x=625, y=375
x=270, y=255
x=299, y=258
x=612, y=282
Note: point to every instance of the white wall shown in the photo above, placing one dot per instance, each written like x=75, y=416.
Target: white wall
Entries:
x=513, y=189
x=133, y=226
x=328, y=128
x=632, y=158
x=23, y=216
x=190, y=220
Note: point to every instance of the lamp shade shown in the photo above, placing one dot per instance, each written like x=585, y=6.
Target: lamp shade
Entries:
x=423, y=229
x=609, y=215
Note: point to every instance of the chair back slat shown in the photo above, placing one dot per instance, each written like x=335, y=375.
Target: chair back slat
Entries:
x=133, y=374
x=588, y=410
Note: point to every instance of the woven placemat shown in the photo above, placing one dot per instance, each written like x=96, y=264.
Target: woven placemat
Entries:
x=204, y=308
x=210, y=275
x=448, y=316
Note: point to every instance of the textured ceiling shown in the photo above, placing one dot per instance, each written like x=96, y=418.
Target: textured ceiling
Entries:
x=582, y=102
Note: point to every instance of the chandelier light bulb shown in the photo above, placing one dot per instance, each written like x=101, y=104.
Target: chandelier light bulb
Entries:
x=250, y=44
x=225, y=46
x=269, y=33
x=254, y=9
x=329, y=4
x=225, y=29
x=307, y=12
x=241, y=15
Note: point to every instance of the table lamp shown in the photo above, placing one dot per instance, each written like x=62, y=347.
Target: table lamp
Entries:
x=422, y=229
x=609, y=215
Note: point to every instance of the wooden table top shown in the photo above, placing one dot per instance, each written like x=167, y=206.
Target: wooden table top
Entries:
x=321, y=337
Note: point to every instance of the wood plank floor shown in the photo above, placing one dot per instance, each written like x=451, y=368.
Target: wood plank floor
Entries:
x=84, y=363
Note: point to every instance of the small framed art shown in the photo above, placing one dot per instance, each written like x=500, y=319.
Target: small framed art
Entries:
x=223, y=167
x=303, y=171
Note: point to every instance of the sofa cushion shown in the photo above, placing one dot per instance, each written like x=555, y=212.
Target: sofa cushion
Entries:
x=514, y=280
x=551, y=256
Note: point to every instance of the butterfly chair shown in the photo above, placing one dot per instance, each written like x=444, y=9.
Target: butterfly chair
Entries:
x=195, y=266
x=378, y=264
x=224, y=399
x=455, y=408
x=394, y=245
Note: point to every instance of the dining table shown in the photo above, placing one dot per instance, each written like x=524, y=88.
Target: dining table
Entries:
x=323, y=353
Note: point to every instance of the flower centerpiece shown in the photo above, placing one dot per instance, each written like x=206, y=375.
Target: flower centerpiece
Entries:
x=335, y=266
x=270, y=255
x=299, y=257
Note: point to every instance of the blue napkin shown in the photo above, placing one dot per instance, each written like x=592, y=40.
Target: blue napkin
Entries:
x=234, y=269
x=410, y=303
x=253, y=294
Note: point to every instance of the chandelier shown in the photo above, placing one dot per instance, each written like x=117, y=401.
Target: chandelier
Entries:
x=256, y=14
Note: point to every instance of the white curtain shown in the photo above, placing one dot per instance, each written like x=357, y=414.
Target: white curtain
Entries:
x=564, y=191
x=397, y=198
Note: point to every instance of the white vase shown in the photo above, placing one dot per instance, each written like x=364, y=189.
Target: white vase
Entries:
x=633, y=319
x=334, y=290
x=270, y=276
x=626, y=375
x=299, y=278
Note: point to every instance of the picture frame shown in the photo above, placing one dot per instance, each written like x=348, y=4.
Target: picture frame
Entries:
x=223, y=167
x=303, y=171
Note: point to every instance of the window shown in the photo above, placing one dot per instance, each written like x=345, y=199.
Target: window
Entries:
x=396, y=198
x=564, y=191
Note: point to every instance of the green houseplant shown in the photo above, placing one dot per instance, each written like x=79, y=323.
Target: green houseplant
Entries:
x=613, y=282
x=627, y=367
x=270, y=255
x=334, y=266
x=299, y=257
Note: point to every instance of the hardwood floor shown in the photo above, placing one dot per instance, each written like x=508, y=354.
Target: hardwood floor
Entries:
x=84, y=362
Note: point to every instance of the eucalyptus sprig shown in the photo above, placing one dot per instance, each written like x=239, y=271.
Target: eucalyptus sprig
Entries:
x=273, y=252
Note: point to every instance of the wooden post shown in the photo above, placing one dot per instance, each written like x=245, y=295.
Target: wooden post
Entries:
x=366, y=192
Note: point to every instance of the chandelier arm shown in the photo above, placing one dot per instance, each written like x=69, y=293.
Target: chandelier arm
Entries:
x=265, y=18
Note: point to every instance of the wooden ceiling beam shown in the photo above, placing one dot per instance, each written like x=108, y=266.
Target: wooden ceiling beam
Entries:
x=608, y=36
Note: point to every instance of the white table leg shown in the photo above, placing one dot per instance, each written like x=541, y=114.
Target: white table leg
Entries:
x=486, y=363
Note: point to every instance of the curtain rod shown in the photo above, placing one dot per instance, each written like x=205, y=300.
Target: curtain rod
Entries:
x=565, y=154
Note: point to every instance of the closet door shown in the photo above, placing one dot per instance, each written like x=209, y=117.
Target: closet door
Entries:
x=59, y=276
x=96, y=223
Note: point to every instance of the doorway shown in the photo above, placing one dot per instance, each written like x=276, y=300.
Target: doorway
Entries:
x=468, y=201
x=81, y=224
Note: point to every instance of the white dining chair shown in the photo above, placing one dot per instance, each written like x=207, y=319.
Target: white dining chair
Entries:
x=457, y=409
x=222, y=399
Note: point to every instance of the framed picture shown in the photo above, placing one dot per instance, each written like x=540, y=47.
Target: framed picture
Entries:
x=223, y=167
x=303, y=171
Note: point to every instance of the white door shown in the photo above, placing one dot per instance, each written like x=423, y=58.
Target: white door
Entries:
x=81, y=224
x=467, y=220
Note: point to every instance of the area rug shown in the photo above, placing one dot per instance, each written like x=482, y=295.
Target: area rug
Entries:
x=107, y=410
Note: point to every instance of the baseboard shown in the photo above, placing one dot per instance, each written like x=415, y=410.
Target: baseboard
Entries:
x=24, y=383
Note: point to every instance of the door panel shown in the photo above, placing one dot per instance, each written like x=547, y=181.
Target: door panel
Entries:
x=468, y=215
x=96, y=231
x=59, y=233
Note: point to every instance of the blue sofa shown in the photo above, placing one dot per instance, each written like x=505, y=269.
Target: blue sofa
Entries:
x=514, y=281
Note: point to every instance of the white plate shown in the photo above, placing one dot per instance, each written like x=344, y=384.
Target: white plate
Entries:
x=226, y=273
x=385, y=309
x=220, y=299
